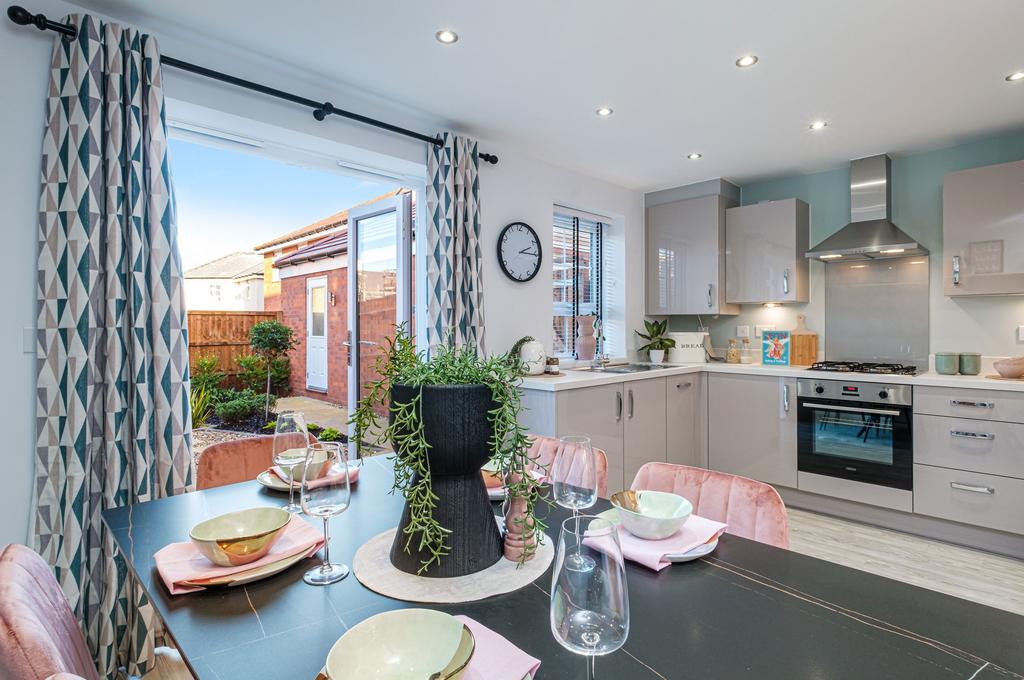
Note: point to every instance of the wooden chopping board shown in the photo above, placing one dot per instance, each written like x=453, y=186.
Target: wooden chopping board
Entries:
x=803, y=344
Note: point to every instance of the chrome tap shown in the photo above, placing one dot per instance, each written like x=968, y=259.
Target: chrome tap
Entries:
x=600, y=359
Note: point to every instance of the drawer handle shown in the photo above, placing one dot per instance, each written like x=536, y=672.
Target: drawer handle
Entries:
x=972, y=488
x=975, y=404
x=972, y=435
x=683, y=385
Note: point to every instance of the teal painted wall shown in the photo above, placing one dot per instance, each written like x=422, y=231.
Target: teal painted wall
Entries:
x=984, y=325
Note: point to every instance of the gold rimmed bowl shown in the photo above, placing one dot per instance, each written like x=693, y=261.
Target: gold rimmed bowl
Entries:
x=652, y=515
x=241, y=537
x=403, y=644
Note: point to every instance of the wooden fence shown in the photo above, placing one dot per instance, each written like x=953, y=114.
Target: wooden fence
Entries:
x=224, y=335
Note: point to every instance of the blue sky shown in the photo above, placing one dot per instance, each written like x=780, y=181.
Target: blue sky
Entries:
x=230, y=201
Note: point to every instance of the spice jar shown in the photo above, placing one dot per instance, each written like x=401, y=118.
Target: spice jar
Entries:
x=732, y=355
x=745, y=356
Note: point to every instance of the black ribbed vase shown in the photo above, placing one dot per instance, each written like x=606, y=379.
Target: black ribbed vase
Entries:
x=456, y=425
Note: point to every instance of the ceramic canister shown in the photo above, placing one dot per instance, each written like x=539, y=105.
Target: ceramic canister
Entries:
x=947, y=363
x=970, y=363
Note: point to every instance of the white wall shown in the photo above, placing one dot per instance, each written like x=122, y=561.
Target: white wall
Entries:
x=235, y=296
x=518, y=188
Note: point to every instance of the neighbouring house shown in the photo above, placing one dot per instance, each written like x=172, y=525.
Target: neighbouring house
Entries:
x=232, y=283
x=309, y=284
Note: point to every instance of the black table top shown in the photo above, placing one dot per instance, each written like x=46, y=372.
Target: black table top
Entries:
x=749, y=610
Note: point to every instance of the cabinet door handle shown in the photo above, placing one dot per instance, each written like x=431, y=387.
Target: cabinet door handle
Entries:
x=785, y=398
x=785, y=282
x=956, y=270
x=683, y=385
x=631, y=404
x=711, y=288
x=975, y=404
x=618, y=406
x=972, y=435
x=959, y=486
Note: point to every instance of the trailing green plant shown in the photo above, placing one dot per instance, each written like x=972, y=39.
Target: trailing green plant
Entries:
x=329, y=434
x=206, y=376
x=201, y=406
x=655, y=336
x=270, y=340
x=400, y=364
x=252, y=373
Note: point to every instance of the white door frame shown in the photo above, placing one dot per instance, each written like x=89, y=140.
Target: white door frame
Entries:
x=311, y=283
x=401, y=204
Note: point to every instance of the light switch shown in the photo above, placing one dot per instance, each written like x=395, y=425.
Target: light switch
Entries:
x=1020, y=333
x=760, y=328
x=742, y=331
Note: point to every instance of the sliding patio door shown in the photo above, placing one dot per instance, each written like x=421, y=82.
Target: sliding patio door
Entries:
x=379, y=287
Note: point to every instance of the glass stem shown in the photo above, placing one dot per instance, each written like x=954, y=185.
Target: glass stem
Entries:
x=327, y=542
x=579, y=542
x=591, y=667
x=291, y=486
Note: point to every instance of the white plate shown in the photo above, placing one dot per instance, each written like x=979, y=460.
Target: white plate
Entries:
x=272, y=481
x=612, y=515
x=248, y=576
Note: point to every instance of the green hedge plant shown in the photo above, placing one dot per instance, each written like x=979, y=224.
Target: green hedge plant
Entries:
x=270, y=340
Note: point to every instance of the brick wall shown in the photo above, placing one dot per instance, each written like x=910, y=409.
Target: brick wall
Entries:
x=377, y=321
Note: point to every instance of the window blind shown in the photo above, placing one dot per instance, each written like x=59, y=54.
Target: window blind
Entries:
x=577, y=277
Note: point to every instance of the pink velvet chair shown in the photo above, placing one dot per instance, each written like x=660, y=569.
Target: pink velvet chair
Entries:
x=544, y=449
x=751, y=509
x=239, y=460
x=39, y=636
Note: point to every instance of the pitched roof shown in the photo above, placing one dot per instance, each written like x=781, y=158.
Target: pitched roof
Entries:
x=228, y=267
x=338, y=219
x=329, y=247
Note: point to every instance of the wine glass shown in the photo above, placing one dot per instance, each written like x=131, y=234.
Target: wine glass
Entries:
x=325, y=493
x=574, y=483
x=291, y=438
x=589, y=610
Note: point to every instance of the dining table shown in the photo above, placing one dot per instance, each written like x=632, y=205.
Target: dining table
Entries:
x=747, y=610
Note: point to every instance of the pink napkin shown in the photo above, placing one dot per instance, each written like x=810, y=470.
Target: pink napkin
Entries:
x=353, y=477
x=697, y=531
x=495, y=657
x=179, y=562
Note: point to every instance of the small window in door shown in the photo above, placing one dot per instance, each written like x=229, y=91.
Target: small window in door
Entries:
x=318, y=311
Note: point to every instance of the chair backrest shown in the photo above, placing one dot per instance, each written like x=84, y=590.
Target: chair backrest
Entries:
x=39, y=635
x=544, y=449
x=752, y=509
x=238, y=460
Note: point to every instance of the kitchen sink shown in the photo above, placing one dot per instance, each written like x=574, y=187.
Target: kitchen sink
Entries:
x=622, y=368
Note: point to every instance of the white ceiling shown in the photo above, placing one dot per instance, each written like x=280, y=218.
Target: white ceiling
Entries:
x=889, y=75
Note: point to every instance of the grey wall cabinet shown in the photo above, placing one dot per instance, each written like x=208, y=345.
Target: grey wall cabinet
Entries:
x=686, y=257
x=752, y=427
x=983, y=231
x=764, y=252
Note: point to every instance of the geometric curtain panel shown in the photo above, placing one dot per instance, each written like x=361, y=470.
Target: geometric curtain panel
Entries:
x=112, y=403
x=455, y=313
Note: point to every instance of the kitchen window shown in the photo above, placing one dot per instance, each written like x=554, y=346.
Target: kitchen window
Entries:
x=577, y=281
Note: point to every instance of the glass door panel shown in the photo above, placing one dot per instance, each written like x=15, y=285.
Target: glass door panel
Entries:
x=380, y=287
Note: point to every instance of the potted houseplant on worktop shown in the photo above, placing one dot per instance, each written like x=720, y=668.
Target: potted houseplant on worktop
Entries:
x=447, y=415
x=656, y=343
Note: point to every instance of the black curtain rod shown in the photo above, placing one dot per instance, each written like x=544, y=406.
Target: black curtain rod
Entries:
x=23, y=17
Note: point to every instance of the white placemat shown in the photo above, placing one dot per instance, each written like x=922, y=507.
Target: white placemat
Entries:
x=372, y=566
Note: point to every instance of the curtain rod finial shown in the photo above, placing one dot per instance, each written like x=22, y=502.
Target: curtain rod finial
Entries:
x=19, y=15
x=489, y=158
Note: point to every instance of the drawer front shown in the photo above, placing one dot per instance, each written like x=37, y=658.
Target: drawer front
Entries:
x=991, y=447
x=969, y=497
x=981, y=404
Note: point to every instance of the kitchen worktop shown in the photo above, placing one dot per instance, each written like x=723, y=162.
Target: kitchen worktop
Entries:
x=574, y=379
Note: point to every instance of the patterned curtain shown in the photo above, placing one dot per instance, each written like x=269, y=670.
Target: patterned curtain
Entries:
x=113, y=420
x=455, y=298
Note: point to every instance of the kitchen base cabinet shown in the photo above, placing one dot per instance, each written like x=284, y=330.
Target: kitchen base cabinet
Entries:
x=644, y=431
x=969, y=497
x=686, y=419
x=752, y=427
x=595, y=412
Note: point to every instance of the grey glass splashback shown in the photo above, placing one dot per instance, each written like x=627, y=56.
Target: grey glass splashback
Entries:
x=877, y=310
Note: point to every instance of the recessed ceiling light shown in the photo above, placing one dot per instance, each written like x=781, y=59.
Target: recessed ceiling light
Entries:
x=1014, y=77
x=446, y=36
x=604, y=111
x=819, y=125
x=695, y=156
x=746, y=60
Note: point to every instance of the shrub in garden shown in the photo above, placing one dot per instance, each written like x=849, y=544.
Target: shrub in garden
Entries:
x=252, y=373
x=206, y=376
x=236, y=411
x=271, y=340
x=201, y=405
x=329, y=434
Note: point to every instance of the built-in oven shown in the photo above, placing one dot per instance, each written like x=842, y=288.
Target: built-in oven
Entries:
x=861, y=431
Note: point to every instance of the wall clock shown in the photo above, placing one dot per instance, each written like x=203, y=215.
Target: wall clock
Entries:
x=519, y=251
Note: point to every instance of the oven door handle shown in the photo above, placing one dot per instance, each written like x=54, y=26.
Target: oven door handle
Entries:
x=851, y=409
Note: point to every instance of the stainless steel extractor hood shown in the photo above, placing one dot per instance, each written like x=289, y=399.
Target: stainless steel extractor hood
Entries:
x=869, y=235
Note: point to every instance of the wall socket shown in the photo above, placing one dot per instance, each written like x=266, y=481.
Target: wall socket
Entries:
x=742, y=332
x=760, y=328
x=1020, y=333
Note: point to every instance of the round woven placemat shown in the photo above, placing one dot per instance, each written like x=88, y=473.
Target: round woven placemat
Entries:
x=372, y=566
